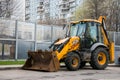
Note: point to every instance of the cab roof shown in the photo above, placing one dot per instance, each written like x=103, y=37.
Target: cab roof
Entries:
x=86, y=20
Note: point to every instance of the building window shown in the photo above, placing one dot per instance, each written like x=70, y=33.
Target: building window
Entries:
x=41, y=3
x=41, y=7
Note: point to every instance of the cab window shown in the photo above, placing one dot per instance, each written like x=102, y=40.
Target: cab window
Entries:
x=91, y=33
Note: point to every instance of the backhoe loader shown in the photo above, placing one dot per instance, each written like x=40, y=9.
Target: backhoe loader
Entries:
x=86, y=42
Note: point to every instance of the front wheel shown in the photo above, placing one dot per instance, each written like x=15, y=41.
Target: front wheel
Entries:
x=99, y=59
x=72, y=61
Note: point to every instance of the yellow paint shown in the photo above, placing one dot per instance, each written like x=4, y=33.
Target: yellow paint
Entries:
x=103, y=58
x=68, y=47
x=101, y=18
x=61, y=41
x=86, y=20
x=109, y=45
x=111, y=50
x=75, y=62
x=105, y=38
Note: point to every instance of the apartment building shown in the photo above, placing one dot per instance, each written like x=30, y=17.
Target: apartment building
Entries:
x=67, y=9
x=37, y=10
x=43, y=10
x=31, y=10
x=48, y=10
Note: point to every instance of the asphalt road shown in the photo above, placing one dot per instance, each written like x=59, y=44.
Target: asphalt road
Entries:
x=110, y=73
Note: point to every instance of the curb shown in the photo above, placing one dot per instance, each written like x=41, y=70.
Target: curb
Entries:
x=8, y=67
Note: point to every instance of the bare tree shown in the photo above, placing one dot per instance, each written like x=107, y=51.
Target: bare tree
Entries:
x=95, y=8
x=8, y=8
x=116, y=14
x=113, y=15
x=5, y=8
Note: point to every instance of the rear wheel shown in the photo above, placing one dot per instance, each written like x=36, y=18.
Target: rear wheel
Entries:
x=72, y=61
x=99, y=59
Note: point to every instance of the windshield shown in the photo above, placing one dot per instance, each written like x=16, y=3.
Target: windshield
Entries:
x=78, y=29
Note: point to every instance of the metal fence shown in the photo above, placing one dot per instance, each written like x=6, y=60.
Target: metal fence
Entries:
x=17, y=37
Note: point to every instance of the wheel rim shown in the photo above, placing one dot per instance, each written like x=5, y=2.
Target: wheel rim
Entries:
x=101, y=58
x=75, y=62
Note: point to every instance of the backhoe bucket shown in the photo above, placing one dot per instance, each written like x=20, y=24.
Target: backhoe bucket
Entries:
x=42, y=60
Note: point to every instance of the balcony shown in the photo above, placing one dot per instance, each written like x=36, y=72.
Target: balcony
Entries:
x=27, y=2
x=27, y=6
x=65, y=0
x=40, y=10
x=27, y=14
x=71, y=1
x=72, y=6
x=41, y=3
x=27, y=17
x=65, y=8
x=64, y=3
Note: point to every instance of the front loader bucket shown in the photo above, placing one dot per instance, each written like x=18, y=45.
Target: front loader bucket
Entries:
x=42, y=60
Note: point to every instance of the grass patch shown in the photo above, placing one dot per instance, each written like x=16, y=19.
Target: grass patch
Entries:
x=12, y=62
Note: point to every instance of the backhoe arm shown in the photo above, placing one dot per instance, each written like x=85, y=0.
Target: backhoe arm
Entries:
x=71, y=45
x=106, y=39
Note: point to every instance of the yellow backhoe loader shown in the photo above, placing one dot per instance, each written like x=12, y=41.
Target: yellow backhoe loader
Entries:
x=86, y=41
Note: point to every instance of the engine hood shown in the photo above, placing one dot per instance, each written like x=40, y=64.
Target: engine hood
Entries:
x=66, y=39
x=61, y=41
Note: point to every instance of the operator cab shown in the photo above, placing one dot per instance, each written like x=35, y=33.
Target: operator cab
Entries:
x=88, y=31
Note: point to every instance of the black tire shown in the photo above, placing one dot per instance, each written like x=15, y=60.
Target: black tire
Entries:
x=82, y=64
x=92, y=65
x=99, y=59
x=72, y=61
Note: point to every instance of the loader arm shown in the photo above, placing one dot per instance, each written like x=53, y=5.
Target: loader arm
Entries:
x=72, y=44
x=104, y=32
